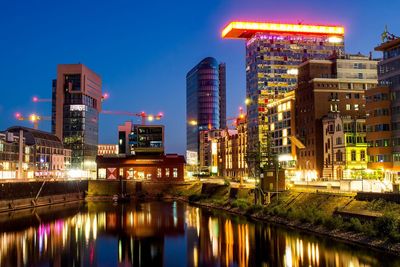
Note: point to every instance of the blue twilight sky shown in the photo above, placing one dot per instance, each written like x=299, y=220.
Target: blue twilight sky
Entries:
x=143, y=49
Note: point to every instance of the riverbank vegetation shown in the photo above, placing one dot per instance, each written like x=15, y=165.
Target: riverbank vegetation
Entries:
x=376, y=222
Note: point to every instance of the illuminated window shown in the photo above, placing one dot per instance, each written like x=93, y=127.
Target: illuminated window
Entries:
x=102, y=173
x=159, y=173
x=348, y=106
x=175, y=172
x=355, y=106
x=280, y=117
x=284, y=132
x=272, y=126
x=284, y=141
x=166, y=172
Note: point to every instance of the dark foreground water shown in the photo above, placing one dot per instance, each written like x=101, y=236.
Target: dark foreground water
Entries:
x=165, y=234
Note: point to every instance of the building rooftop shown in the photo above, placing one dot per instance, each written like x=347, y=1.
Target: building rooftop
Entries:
x=37, y=137
x=245, y=30
x=388, y=45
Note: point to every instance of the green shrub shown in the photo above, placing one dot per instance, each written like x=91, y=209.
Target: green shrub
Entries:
x=240, y=203
x=355, y=225
x=387, y=225
x=255, y=208
x=218, y=201
x=334, y=222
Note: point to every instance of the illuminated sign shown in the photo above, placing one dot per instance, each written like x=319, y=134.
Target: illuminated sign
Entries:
x=240, y=29
x=77, y=108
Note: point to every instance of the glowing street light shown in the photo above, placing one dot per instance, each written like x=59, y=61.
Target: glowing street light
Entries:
x=193, y=122
x=247, y=101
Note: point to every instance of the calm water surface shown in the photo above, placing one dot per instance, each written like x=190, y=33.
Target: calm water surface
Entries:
x=165, y=234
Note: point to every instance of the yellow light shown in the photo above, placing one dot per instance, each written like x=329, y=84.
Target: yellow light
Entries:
x=193, y=122
x=33, y=117
x=247, y=101
x=280, y=117
x=150, y=118
x=293, y=71
x=335, y=39
x=236, y=28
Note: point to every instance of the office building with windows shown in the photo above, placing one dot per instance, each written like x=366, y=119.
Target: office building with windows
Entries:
x=336, y=85
x=273, y=54
x=76, y=103
x=138, y=139
x=205, y=102
x=383, y=107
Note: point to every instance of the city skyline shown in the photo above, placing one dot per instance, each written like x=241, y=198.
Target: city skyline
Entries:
x=154, y=61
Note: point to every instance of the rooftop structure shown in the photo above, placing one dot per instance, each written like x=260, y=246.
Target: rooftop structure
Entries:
x=246, y=30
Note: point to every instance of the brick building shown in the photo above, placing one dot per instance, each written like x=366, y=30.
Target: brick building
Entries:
x=336, y=85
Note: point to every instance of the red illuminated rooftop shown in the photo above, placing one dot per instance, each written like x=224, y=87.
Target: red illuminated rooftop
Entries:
x=245, y=30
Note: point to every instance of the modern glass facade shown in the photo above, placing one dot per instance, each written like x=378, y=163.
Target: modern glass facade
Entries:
x=205, y=100
x=271, y=71
x=75, y=114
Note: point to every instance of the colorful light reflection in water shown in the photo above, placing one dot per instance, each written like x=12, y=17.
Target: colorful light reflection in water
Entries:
x=171, y=234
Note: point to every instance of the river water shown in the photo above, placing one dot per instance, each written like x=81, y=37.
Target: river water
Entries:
x=165, y=234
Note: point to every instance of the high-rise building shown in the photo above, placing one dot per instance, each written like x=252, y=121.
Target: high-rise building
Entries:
x=76, y=103
x=273, y=54
x=336, y=85
x=205, y=102
x=383, y=104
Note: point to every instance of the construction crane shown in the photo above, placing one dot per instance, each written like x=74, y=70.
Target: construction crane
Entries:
x=36, y=99
x=143, y=115
x=34, y=118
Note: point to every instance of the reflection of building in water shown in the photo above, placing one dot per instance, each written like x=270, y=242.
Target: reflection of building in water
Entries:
x=139, y=234
x=141, y=231
x=216, y=241
x=74, y=241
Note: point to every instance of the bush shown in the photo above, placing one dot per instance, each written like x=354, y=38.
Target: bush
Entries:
x=240, y=203
x=334, y=222
x=218, y=201
x=356, y=225
x=387, y=225
x=255, y=208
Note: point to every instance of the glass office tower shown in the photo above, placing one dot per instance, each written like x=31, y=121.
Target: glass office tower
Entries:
x=273, y=53
x=205, y=101
x=75, y=113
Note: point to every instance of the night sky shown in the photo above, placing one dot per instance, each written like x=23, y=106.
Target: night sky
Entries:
x=143, y=49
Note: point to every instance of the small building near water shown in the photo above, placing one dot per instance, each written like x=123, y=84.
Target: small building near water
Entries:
x=155, y=168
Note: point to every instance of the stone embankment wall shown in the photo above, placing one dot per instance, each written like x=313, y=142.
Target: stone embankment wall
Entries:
x=22, y=195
